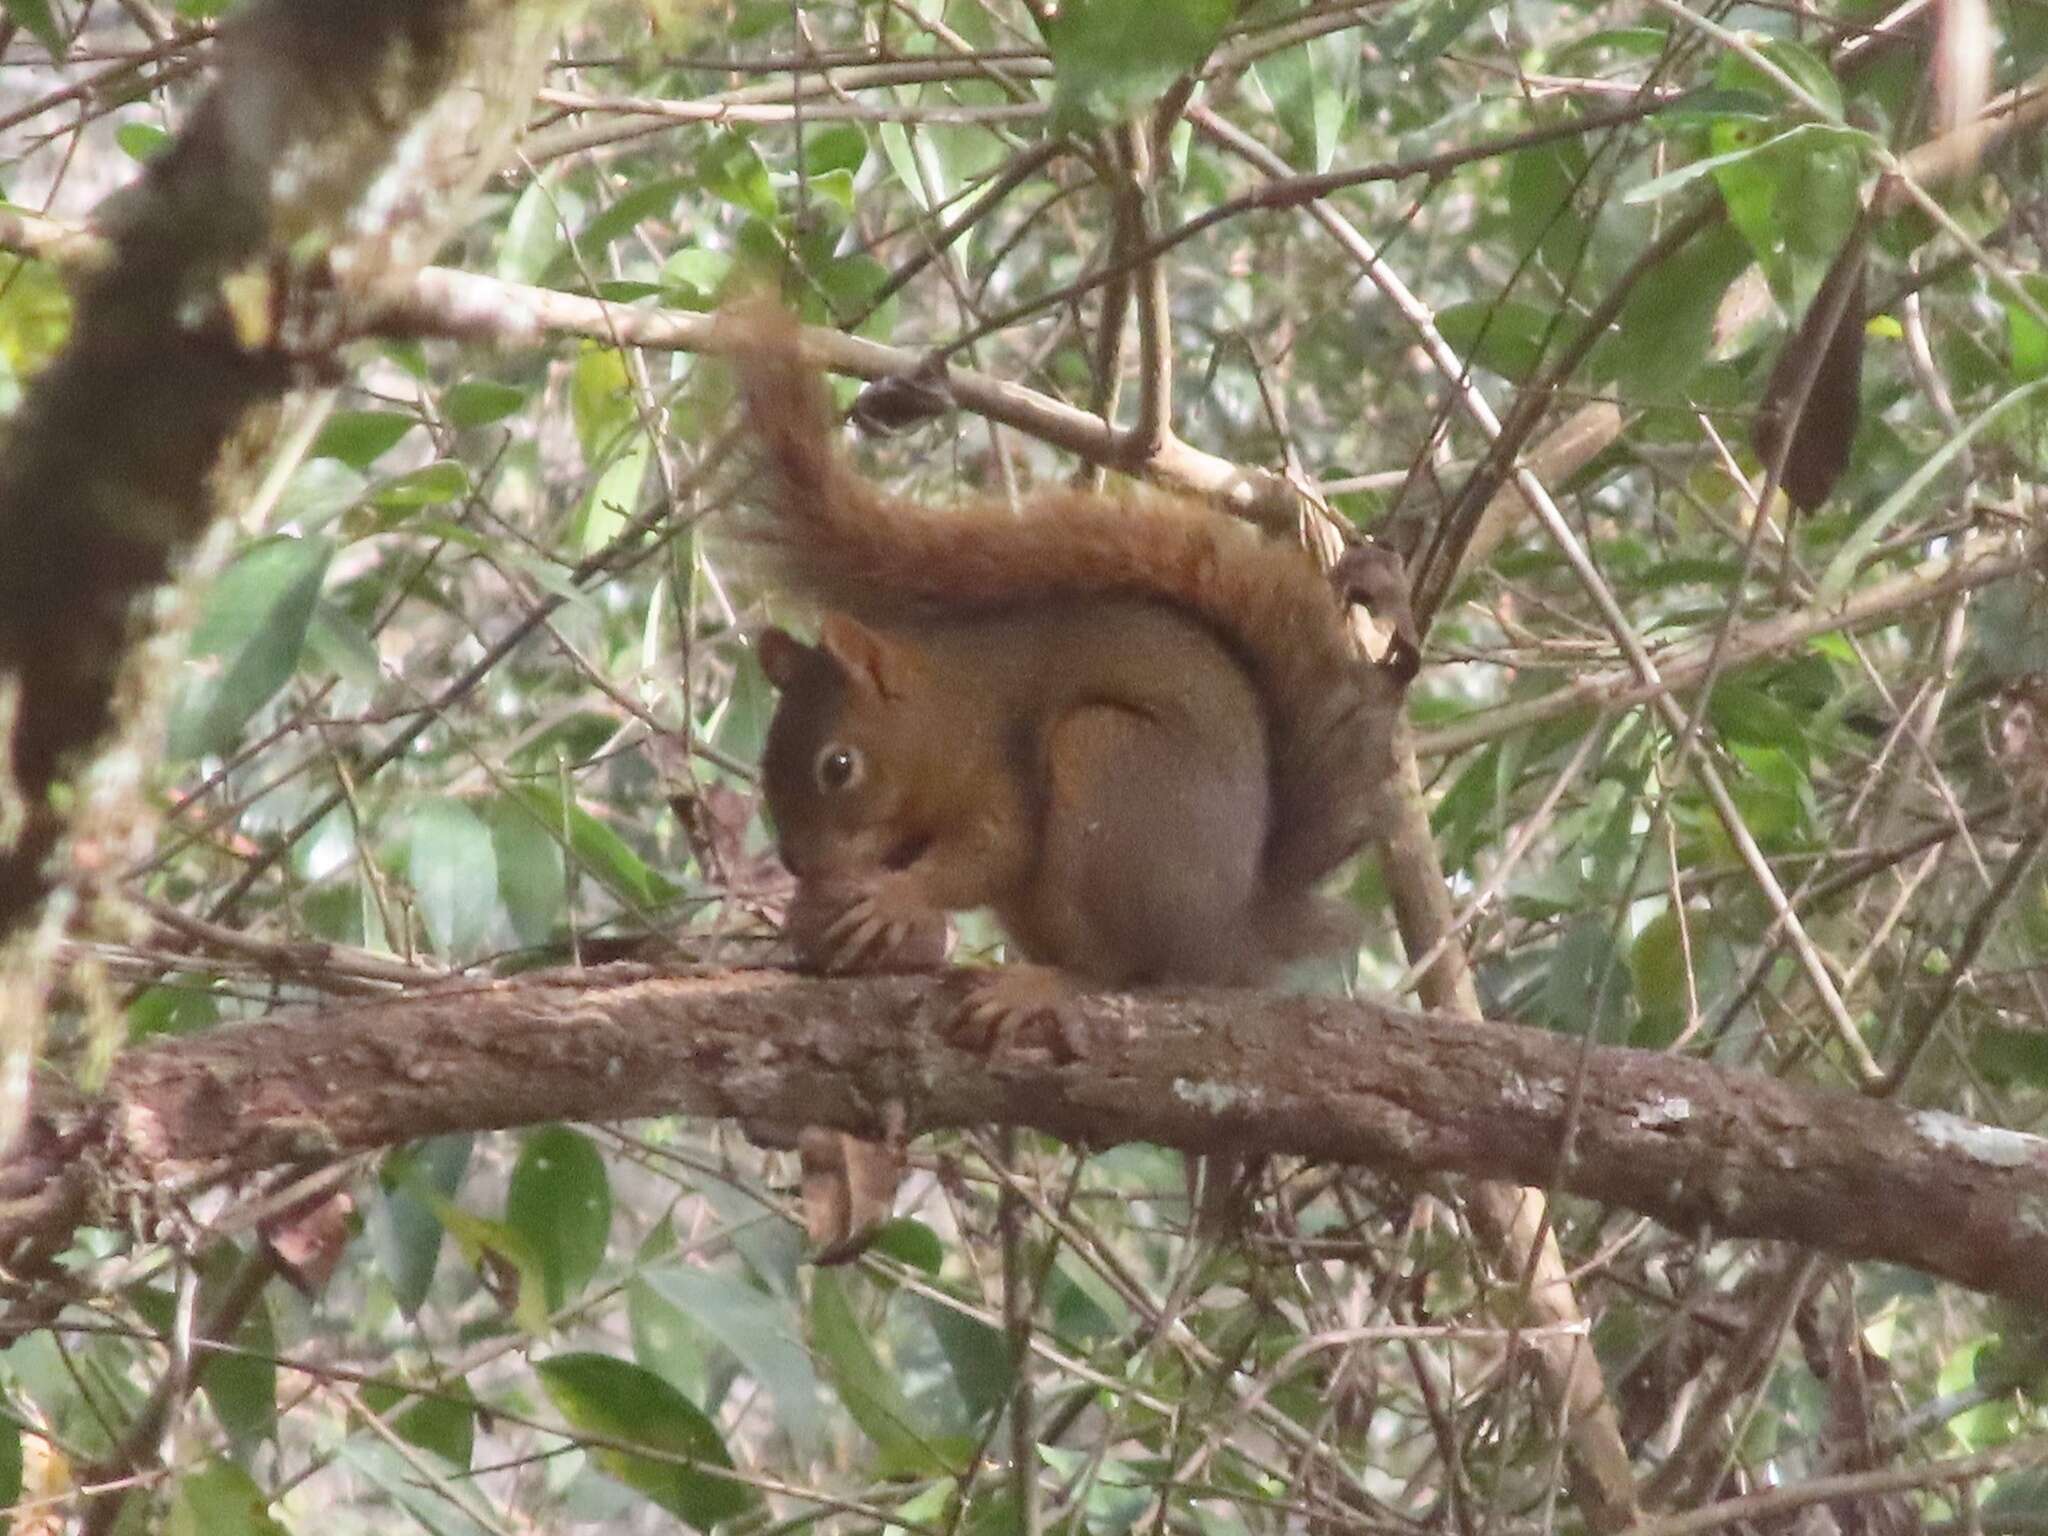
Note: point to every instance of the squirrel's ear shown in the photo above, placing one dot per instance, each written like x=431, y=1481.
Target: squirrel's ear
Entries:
x=869, y=660
x=781, y=655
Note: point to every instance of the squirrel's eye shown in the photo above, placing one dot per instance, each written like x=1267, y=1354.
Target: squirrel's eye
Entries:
x=838, y=768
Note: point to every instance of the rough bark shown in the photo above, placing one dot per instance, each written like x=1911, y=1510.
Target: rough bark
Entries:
x=1678, y=1139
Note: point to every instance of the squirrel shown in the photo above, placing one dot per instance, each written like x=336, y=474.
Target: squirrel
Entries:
x=1133, y=727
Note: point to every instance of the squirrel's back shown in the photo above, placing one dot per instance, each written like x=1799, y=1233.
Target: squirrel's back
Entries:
x=831, y=536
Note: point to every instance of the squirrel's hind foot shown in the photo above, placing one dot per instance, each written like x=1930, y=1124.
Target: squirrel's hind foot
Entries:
x=1021, y=1006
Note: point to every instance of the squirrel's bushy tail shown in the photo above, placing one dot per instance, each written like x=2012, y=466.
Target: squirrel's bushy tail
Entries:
x=831, y=536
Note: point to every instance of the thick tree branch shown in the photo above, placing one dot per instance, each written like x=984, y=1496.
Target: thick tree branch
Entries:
x=1678, y=1139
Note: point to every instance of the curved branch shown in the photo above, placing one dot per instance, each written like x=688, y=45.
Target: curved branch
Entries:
x=1678, y=1139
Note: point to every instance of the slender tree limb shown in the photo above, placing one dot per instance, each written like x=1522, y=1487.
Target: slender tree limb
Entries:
x=1689, y=1144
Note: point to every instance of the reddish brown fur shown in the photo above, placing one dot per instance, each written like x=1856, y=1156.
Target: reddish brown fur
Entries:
x=834, y=537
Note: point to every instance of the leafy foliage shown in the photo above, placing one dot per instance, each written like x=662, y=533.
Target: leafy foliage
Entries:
x=472, y=691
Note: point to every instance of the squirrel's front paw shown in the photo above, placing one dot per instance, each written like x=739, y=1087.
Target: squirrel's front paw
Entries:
x=1021, y=1005
x=837, y=928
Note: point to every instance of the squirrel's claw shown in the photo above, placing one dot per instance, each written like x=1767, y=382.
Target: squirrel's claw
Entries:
x=873, y=926
x=1021, y=1006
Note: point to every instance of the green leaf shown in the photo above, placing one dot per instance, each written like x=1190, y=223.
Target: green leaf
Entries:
x=337, y=642
x=479, y=402
x=601, y=400
x=1656, y=963
x=560, y=1201
x=2027, y=337
x=835, y=148
x=728, y=168
x=220, y=1500
x=598, y=850
x=533, y=877
x=404, y=1232
x=429, y=485
x=35, y=314
x=1506, y=336
x=453, y=866
x=613, y=498
x=1667, y=324
x=1841, y=570
x=36, y=16
x=360, y=438
x=247, y=642
x=1544, y=183
x=977, y=1354
x=533, y=235
x=1797, y=62
x=653, y=199
x=666, y=1340
x=495, y=1249
x=1742, y=711
x=441, y=1423
x=241, y=1387
x=1440, y=23
x=911, y=1242
x=10, y=1473
x=619, y=1400
x=759, y=1331
x=174, y=1008
x=1112, y=57
x=2007, y=1055
x=1584, y=968
x=141, y=142
x=694, y=277
x=869, y=1392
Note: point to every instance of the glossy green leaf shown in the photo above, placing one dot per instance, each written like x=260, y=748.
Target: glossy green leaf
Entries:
x=453, y=866
x=620, y=1401
x=560, y=1201
x=247, y=642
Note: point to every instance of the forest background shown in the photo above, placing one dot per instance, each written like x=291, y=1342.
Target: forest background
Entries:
x=365, y=635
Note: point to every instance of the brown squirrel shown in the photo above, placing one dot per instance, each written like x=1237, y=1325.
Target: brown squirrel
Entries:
x=1134, y=728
